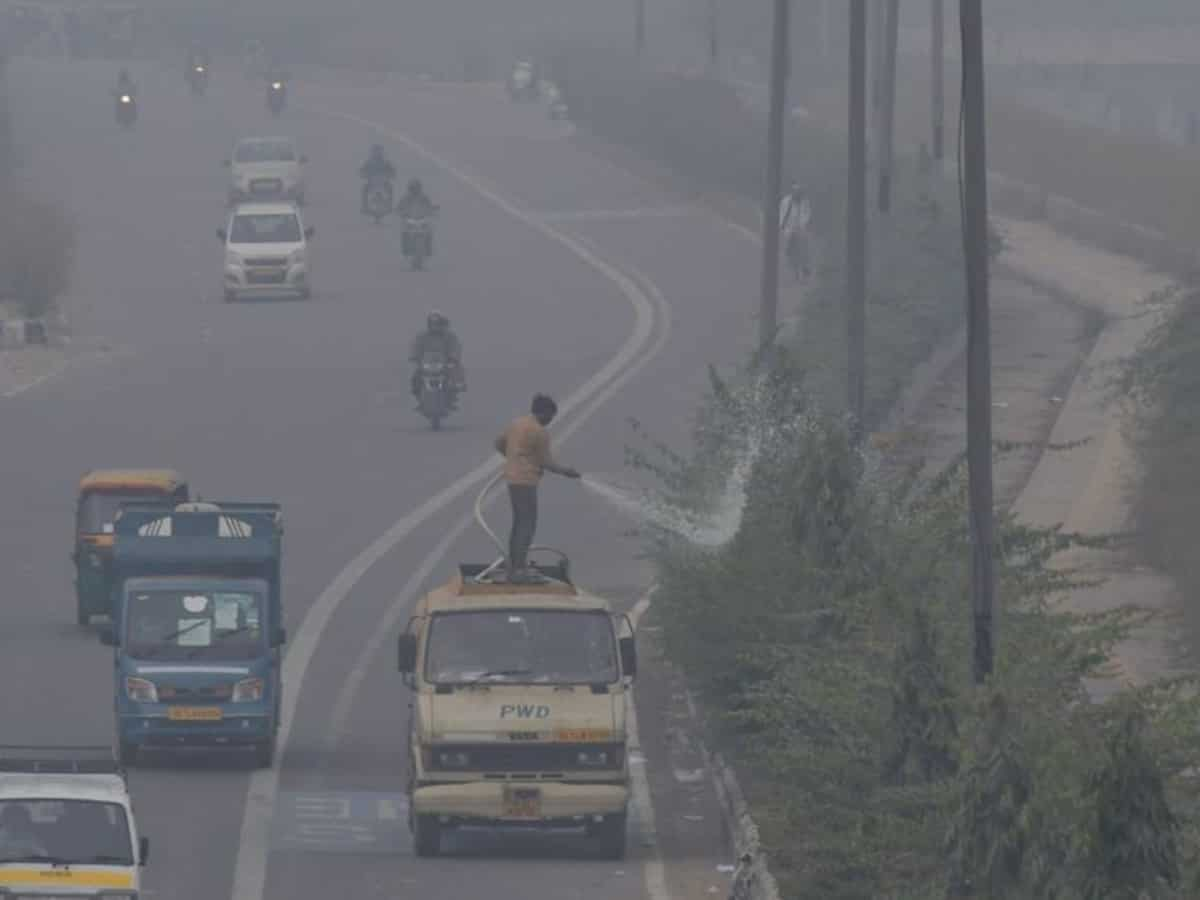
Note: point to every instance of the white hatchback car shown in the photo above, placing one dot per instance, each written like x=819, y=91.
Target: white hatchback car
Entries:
x=266, y=251
x=266, y=168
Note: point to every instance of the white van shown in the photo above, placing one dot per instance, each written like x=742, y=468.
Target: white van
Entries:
x=266, y=168
x=266, y=251
x=67, y=825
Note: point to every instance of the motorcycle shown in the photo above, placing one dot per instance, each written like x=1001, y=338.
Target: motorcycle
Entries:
x=379, y=198
x=276, y=97
x=522, y=85
x=417, y=240
x=126, y=111
x=198, y=78
x=437, y=397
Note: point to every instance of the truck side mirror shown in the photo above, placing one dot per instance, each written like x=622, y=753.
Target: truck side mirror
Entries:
x=629, y=656
x=143, y=850
x=108, y=637
x=309, y=231
x=221, y=234
x=227, y=163
x=279, y=637
x=406, y=655
x=303, y=159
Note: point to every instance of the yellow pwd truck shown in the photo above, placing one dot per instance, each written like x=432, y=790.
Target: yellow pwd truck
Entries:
x=519, y=717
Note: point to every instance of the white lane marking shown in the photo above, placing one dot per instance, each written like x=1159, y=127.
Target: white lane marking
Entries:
x=64, y=367
x=655, y=872
x=589, y=215
x=343, y=705
x=250, y=872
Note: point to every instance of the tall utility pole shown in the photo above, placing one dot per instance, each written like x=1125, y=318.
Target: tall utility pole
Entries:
x=714, y=36
x=888, y=113
x=826, y=28
x=856, y=217
x=939, y=79
x=877, y=21
x=639, y=27
x=769, y=309
x=979, y=356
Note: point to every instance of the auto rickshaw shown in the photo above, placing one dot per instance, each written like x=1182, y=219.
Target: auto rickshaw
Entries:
x=101, y=493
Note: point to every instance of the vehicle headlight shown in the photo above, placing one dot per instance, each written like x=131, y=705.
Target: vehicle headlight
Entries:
x=452, y=759
x=248, y=690
x=139, y=690
x=125, y=98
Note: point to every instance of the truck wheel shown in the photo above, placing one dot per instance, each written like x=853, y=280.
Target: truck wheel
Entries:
x=427, y=835
x=610, y=836
x=127, y=754
x=264, y=754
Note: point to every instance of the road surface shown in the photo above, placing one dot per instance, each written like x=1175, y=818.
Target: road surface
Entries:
x=559, y=271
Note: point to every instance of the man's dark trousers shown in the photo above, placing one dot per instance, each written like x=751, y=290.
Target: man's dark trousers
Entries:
x=524, y=523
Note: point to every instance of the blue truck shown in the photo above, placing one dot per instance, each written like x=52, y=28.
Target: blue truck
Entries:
x=197, y=629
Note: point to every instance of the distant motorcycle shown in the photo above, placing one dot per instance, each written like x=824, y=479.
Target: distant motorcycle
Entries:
x=379, y=198
x=276, y=96
x=198, y=78
x=126, y=111
x=437, y=397
x=417, y=241
x=522, y=83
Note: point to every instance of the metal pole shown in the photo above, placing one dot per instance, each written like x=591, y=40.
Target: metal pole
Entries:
x=856, y=217
x=939, y=79
x=979, y=363
x=878, y=24
x=714, y=36
x=826, y=28
x=772, y=190
x=639, y=27
x=888, y=113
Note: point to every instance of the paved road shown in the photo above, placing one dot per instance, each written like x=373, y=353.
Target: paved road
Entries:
x=553, y=265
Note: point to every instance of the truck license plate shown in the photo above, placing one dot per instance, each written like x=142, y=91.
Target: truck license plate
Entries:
x=522, y=803
x=194, y=713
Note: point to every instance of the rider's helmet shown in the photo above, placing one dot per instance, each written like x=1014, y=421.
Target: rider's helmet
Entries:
x=376, y=151
x=437, y=321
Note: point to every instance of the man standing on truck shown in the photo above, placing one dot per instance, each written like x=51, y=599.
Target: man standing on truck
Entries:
x=525, y=446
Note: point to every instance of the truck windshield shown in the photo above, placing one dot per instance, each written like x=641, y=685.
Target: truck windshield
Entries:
x=194, y=624
x=64, y=832
x=521, y=646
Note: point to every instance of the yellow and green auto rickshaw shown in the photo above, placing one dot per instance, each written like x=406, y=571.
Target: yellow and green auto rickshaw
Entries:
x=101, y=493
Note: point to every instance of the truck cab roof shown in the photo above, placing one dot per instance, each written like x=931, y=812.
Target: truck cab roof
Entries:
x=62, y=773
x=470, y=589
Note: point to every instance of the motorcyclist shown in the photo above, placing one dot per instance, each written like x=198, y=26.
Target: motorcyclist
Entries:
x=124, y=84
x=438, y=338
x=795, y=215
x=377, y=166
x=416, y=203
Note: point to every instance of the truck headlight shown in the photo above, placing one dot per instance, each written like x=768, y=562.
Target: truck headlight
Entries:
x=139, y=690
x=452, y=759
x=248, y=690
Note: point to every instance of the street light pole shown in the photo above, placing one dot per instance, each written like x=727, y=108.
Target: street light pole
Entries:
x=939, y=78
x=856, y=217
x=979, y=361
x=639, y=26
x=888, y=113
x=768, y=319
x=714, y=36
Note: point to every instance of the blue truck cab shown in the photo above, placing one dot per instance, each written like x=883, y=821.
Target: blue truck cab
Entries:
x=197, y=629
